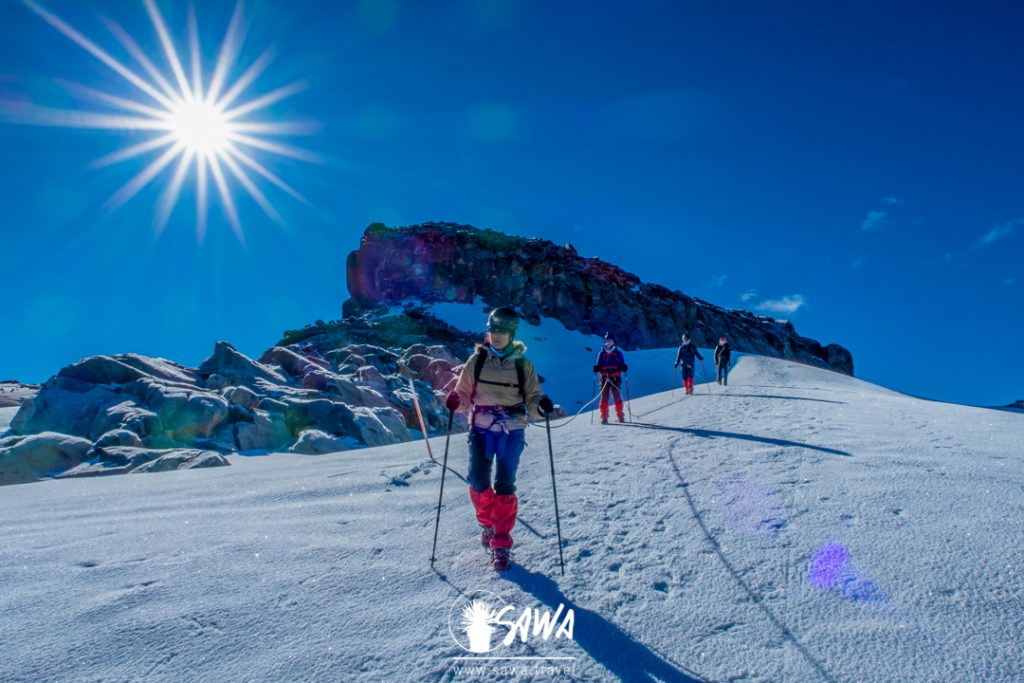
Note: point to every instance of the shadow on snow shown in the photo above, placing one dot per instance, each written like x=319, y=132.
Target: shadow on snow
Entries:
x=712, y=434
x=605, y=642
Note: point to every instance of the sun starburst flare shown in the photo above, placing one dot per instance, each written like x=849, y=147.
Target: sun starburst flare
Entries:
x=195, y=126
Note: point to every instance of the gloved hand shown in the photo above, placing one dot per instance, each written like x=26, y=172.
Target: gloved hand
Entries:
x=624, y=367
x=597, y=368
x=452, y=402
x=545, y=405
x=676, y=365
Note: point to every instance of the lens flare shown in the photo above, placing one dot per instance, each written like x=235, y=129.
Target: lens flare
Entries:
x=205, y=133
x=832, y=569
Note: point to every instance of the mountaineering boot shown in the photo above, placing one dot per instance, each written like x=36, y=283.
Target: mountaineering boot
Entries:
x=486, y=534
x=603, y=405
x=604, y=420
x=503, y=518
x=501, y=558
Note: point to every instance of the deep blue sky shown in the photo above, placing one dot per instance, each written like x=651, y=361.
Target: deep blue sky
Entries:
x=863, y=158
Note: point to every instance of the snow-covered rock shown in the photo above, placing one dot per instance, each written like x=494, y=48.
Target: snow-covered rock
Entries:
x=134, y=460
x=119, y=437
x=316, y=442
x=236, y=367
x=230, y=402
x=267, y=432
x=371, y=427
x=30, y=458
x=68, y=405
x=242, y=396
x=295, y=364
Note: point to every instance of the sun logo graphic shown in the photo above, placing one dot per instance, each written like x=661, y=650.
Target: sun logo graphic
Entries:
x=481, y=622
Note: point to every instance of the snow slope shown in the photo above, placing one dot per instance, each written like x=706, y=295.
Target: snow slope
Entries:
x=798, y=525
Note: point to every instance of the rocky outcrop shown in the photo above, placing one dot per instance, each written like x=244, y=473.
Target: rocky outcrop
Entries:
x=445, y=262
x=390, y=329
x=128, y=413
x=315, y=442
x=128, y=460
x=28, y=458
x=233, y=368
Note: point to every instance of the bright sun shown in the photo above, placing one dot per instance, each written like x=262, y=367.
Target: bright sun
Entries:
x=197, y=125
x=200, y=127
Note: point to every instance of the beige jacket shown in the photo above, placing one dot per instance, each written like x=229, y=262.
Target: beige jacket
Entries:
x=502, y=370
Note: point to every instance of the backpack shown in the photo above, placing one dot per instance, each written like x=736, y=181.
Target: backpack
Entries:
x=479, y=368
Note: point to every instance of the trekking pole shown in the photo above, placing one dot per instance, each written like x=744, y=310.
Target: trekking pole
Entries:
x=440, y=497
x=554, y=488
x=704, y=371
x=419, y=416
x=593, y=392
x=628, y=406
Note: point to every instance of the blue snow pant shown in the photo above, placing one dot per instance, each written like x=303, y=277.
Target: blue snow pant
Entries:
x=723, y=372
x=687, y=372
x=503, y=448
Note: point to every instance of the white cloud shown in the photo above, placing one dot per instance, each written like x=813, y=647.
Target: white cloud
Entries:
x=787, y=304
x=748, y=295
x=998, y=231
x=893, y=201
x=876, y=220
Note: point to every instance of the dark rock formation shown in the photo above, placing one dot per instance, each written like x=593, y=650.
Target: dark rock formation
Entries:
x=438, y=262
x=383, y=328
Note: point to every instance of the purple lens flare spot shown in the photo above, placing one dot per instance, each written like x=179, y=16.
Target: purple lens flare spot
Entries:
x=860, y=588
x=827, y=565
x=831, y=568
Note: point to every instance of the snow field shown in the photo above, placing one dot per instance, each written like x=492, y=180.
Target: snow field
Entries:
x=798, y=525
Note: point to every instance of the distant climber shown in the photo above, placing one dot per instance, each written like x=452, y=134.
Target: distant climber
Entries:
x=722, y=356
x=610, y=366
x=685, y=357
